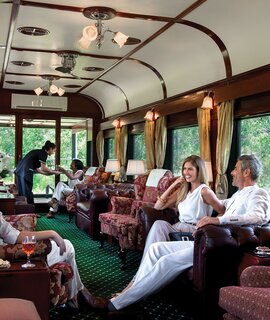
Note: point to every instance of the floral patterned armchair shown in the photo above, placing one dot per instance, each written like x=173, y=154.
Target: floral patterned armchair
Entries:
x=60, y=273
x=122, y=222
x=251, y=299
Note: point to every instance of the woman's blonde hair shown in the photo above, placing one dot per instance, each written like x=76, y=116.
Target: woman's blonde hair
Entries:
x=198, y=163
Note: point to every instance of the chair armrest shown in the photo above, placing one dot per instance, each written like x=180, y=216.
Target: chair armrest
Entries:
x=147, y=215
x=22, y=221
x=255, y=276
x=13, y=252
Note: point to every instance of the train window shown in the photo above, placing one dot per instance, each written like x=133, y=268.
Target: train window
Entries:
x=185, y=142
x=108, y=149
x=255, y=139
x=139, y=147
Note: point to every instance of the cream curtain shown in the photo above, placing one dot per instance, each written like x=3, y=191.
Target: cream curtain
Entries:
x=224, y=140
x=117, y=152
x=117, y=141
x=160, y=141
x=203, y=116
x=149, y=136
x=100, y=147
x=123, y=152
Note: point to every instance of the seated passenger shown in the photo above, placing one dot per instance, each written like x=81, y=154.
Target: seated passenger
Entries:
x=62, y=190
x=164, y=261
x=193, y=199
x=62, y=251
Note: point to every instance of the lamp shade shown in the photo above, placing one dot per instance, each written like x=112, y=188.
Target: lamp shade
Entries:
x=112, y=165
x=135, y=167
x=38, y=91
x=208, y=167
x=207, y=103
x=151, y=115
x=90, y=33
x=84, y=43
x=53, y=89
x=120, y=39
x=61, y=92
x=117, y=123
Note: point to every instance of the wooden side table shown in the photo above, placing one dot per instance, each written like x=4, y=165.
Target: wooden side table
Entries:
x=31, y=284
x=253, y=259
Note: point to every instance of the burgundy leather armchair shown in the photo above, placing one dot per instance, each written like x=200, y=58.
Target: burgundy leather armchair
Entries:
x=95, y=199
x=218, y=253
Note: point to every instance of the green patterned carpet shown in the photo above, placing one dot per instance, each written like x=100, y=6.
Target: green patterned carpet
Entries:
x=100, y=273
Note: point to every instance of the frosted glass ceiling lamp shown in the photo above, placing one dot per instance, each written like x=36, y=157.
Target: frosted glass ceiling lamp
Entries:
x=38, y=91
x=52, y=88
x=97, y=32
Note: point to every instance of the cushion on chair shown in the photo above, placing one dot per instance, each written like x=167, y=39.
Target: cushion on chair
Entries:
x=154, y=177
x=246, y=302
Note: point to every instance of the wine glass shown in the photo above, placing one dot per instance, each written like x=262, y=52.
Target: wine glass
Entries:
x=28, y=247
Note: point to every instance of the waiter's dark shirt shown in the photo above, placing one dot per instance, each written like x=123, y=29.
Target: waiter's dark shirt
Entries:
x=28, y=165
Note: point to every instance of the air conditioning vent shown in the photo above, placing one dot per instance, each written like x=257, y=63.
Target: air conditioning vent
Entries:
x=43, y=103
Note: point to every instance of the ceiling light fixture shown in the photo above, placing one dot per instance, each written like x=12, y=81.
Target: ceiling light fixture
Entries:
x=97, y=32
x=208, y=101
x=51, y=88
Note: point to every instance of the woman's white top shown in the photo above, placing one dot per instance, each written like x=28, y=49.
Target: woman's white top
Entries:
x=192, y=209
x=72, y=183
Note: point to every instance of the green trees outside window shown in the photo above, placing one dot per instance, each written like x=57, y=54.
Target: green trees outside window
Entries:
x=139, y=147
x=255, y=139
x=185, y=142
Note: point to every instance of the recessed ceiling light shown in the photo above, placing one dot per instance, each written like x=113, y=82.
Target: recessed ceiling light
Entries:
x=71, y=86
x=93, y=69
x=22, y=63
x=17, y=83
x=33, y=31
x=130, y=41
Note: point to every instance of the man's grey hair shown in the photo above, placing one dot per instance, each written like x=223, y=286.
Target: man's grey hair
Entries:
x=253, y=163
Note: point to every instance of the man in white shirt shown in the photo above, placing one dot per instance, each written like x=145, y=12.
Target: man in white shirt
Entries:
x=164, y=261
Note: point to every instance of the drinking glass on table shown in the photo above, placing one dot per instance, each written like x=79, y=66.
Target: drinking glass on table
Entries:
x=28, y=247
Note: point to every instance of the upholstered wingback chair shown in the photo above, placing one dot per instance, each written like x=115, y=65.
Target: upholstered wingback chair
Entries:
x=60, y=273
x=251, y=299
x=93, y=176
x=122, y=221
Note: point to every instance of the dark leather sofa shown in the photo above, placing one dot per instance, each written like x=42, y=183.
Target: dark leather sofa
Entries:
x=95, y=199
x=218, y=253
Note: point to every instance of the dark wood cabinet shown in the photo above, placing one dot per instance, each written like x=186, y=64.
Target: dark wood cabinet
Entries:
x=30, y=284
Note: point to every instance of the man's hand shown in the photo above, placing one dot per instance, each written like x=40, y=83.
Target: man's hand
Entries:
x=60, y=242
x=207, y=220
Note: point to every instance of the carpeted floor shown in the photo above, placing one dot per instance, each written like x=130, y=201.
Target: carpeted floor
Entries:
x=100, y=272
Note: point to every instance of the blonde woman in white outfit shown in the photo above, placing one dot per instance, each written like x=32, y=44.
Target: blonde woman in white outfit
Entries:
x=193, y=199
